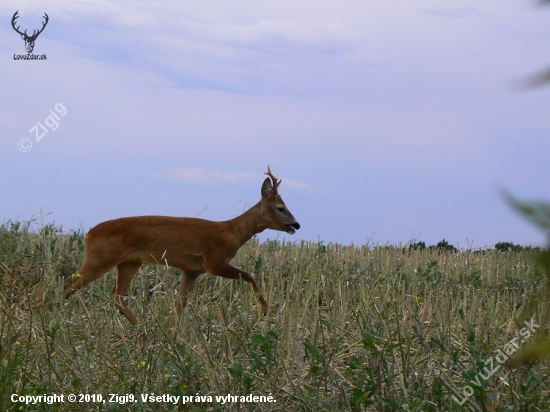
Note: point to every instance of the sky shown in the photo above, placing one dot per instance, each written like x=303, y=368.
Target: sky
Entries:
x=388, y=121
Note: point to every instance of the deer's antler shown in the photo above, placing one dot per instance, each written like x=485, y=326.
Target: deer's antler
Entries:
x=274, y=181
x=34, y=33
x=15, y=16
x=43, y=26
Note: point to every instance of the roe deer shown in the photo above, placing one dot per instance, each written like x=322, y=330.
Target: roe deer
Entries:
x=193, y=245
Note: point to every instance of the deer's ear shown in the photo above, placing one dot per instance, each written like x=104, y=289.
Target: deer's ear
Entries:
x=267, y=188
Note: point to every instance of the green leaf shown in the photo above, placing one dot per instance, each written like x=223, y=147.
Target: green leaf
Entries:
x=236, y=370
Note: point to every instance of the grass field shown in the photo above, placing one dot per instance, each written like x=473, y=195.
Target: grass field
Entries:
x=374, y=328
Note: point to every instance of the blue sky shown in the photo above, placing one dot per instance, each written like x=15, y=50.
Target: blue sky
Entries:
x=387, y=121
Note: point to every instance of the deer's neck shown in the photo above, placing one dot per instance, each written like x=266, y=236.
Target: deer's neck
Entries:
x=248, y=224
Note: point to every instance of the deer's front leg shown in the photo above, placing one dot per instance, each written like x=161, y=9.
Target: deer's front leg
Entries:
x=230, y=272
x=186, y=285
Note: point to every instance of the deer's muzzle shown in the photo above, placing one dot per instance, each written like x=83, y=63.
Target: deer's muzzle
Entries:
x=292, y=228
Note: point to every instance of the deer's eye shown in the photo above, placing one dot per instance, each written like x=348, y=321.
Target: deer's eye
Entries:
x=281, y=209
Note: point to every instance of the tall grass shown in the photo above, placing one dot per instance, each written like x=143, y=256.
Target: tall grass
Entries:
x=350, y=328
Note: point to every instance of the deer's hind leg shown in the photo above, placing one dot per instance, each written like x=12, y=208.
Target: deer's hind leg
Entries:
x=126, y=271
x=90, y=271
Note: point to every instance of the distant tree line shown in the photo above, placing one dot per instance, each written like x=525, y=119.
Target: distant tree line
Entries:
x=500, y=246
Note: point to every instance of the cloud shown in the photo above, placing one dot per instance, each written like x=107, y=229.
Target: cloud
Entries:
x=238, y=48
x=205, y=177
x=296, y=184
x=284, y=36
x=211, y=177
x=449, y=11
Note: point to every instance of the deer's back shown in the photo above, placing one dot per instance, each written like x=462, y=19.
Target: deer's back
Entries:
x=158, y=237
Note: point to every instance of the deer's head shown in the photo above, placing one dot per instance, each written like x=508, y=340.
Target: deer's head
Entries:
x=278, y=216
x=29, y=40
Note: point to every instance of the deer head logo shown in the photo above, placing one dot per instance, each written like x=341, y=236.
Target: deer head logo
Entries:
x=29, y=40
